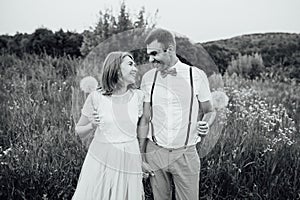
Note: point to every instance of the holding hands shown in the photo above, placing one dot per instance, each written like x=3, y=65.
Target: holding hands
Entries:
x=147, y=171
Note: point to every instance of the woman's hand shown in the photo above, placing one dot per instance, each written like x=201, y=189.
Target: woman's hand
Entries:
x=96, y=119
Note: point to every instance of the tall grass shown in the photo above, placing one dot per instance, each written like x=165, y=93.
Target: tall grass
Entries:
x=40, y=155
x=257, y=156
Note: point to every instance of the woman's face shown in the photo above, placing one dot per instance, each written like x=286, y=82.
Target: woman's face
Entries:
x=128, y=70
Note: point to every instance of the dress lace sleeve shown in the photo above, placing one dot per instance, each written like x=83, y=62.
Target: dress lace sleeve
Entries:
x=91, y=104
x=87, y=109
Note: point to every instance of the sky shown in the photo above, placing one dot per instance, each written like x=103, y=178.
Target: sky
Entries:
x=200, y=20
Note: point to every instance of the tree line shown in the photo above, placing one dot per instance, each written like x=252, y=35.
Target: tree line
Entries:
x=42, y=41
x=279, y=52
x=61, y=43
x=275, y=54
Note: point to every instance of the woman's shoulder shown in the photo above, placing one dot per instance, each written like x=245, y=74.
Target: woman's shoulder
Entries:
x=96, y=95
x=98, y=91
x=139, y=93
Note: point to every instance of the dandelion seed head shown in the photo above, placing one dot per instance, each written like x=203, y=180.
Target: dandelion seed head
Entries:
x=88, y=84
x=219, y=99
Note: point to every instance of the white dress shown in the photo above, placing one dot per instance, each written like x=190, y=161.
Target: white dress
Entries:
x=112, y=167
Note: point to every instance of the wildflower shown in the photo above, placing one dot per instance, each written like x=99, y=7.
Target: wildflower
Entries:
x=7, y=151
x=268, y=149
x=45, y=197
x=88, y=84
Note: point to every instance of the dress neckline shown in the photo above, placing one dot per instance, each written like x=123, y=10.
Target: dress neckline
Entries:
x=122, y=98
x=121, y=95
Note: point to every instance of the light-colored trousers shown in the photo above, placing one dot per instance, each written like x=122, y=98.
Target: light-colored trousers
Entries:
x=181, y=166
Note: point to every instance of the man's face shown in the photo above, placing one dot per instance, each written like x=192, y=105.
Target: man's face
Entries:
x=157, y=55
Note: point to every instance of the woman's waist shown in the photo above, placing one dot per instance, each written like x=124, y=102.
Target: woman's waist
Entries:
x=106, y=137
x=118, y=156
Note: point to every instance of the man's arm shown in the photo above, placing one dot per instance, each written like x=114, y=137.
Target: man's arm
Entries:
x=204, y=99
x=142, y=132
x=207, y=120
x=143, y=127
x=209, y=112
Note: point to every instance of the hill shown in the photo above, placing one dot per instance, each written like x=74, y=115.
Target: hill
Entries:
x=278, y=50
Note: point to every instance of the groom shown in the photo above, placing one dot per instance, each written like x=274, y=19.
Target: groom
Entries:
x=168, y=131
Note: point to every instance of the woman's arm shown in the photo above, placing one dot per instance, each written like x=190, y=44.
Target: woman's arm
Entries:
x=84, y=125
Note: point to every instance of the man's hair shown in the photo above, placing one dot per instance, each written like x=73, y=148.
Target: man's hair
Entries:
x=162, y=36
x=111, y=72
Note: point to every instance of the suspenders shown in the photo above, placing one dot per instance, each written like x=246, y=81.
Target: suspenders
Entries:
x=190, y=112
x=191, y=106
x=151, y=110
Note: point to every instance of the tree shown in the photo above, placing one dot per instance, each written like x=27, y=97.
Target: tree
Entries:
x=109, y=25
x=141, y=22
x=124, y=21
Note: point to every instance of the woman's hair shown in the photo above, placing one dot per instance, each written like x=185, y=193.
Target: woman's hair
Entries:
x=111, y=72
x=165, y=37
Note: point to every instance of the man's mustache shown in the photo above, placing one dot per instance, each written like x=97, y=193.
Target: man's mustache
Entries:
x=156, y=62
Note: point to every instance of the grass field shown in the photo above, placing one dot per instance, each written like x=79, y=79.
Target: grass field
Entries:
x=256, y=157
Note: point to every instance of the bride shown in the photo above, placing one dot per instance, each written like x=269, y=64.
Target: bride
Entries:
x=112, y=167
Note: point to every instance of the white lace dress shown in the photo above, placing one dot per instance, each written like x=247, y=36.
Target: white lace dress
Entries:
x=112, y=167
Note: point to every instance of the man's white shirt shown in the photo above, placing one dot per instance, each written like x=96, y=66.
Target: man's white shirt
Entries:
x=171, y=104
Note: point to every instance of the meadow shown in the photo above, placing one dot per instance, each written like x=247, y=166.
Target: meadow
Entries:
x=256, y=157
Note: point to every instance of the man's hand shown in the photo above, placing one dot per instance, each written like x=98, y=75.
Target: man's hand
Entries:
x=202, y=128
x=147, y=170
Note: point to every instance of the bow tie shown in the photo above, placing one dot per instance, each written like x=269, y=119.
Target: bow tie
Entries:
x=165, y=72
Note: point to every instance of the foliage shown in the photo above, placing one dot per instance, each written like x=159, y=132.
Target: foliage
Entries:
x=278, y=93
x=257, y=156
x=221, y=56
x=60, y=43
x=247, y=66
x=40, y=155
x=42, y=41
x=280, y=52
x=108, y=25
